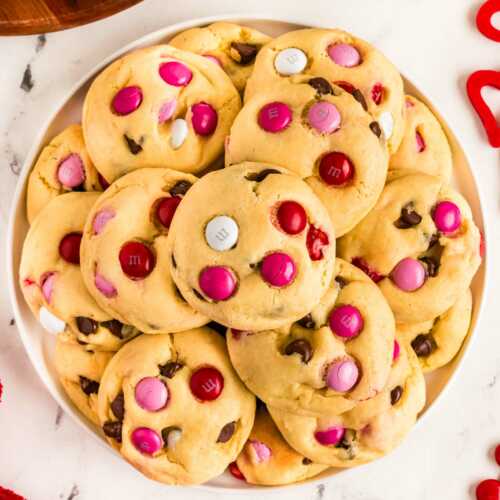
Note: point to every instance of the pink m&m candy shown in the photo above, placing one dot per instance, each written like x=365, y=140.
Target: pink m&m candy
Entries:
x=275, y=117
x=204, y=118
x=344, y=54
x=175, y=73
x=262, y=451
x=146, y=440
x=101, y=218
x=342, y=375
x=104, y=286
x=447, y=217
x=420, y=142
x=331, y=436
x=408, y=275
x=396, y=350
x=214, y=59
x=217, y=282
x=151, y=394
x=127, y=100
x=324, y=117
x=278, y=269
x=346, y=321
x=47, y=284
x=167, y=110
x=70, y=172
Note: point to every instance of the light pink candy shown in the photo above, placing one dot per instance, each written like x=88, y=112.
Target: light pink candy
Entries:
x=204, y=118
x=342, y=375
x=70, y=171
x=217, y=282
x=175, y=73
x=167, y=110
x=275, y=117
x=278, y=269
x=330, y=436
x=324, y=117
x=47, y=283
x=104, y=286
x=146, y=440
x=101, y=219
x=447, y=217
x=344, y=54
x=262, y=451
x=213, y=59
x=408, y=275
x=127, y=100
x=151, y=394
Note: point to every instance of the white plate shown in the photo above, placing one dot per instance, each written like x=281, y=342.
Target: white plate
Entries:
x=40, y=345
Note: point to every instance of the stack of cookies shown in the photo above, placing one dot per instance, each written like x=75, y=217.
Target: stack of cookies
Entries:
x=250, y=254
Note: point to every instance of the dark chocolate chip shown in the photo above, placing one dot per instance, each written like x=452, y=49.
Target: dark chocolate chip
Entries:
x=396, y=394
x=174, y=263
x=88, y=386
x=114, y=326
x=179, y=294
x=113, y=430
x=434, y=239
x=165, y=432
x=170, y=369
x=181, y=187
x=220, y=329
x=245, y=52
x=306, y=461
x=118, y=406
x=260, y=176
x=301, y=347
x=199, y=295
x=358, y=95
x=408, y=218
x=79, y=189
x=342, y=282
x=226, y=432
x=347, y=440
x=86, y=325
x=307, y=322
x=133, y=146
x=375, y=128
x=423, y=345
x=431, y=266
x=321, y=85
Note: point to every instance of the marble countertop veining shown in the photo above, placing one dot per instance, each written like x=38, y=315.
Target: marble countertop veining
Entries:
x=44, y=455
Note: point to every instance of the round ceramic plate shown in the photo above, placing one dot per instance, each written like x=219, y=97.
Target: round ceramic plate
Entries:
x=40, y=345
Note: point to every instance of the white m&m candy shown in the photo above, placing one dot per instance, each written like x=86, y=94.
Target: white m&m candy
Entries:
x=386, y=122
x=221, y=233
x=290, y=62
x=179, y=132
x=50, y=322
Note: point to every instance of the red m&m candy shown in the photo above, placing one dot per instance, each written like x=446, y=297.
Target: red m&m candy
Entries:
x=206, y=384
x=136, y=260
x=336, y=169
x=292, y=217
x=69, y=248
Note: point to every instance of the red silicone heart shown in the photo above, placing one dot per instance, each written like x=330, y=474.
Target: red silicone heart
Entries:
x=476, y=82
x=483, y=19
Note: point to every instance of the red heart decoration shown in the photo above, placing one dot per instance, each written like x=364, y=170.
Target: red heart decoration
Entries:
x=483, y=19
x=475, y=84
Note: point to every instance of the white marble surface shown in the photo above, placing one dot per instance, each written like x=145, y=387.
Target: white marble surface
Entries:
x=46, y=456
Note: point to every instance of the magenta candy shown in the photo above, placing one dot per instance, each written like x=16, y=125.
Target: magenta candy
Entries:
x=275, y=117
x=175, y=73
x=70, y=171
x=342, y=375
x=101, y=218
x=104, y=286
x=278, y=269
x=408, y=275
x=127, y=100
x=47, y=283
x=146, y=440
x=344, y=54
x=330, y=436
x=151, y=394
x=324, y=117
x=262, y=451
x=204, y=118
x=346, y=321
x=167, y=110
x=447, y=217
x=396, y=350
x=217, y=282
x=214, y=59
